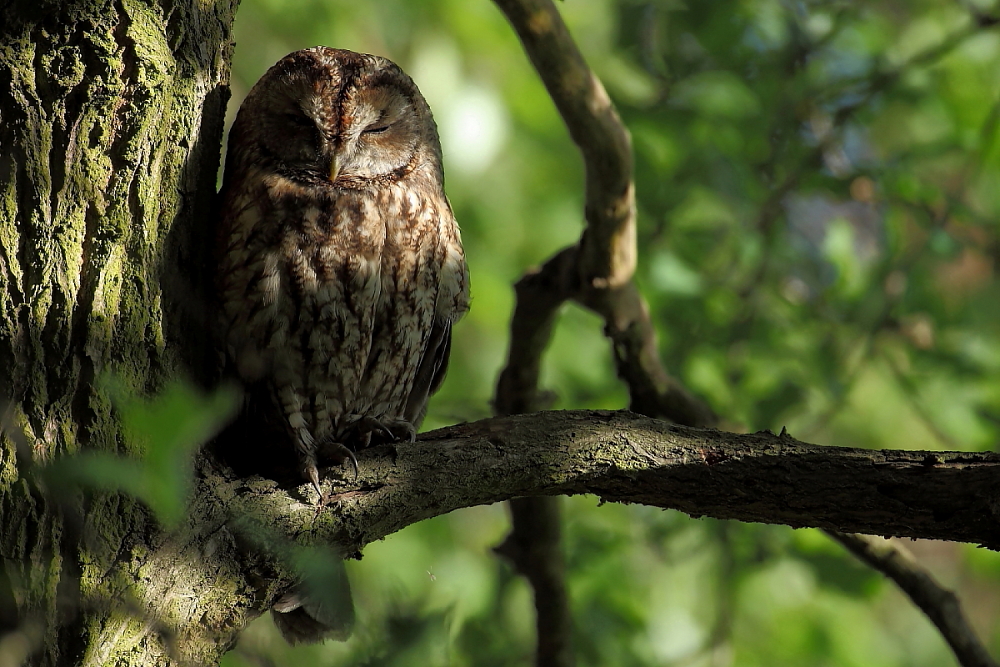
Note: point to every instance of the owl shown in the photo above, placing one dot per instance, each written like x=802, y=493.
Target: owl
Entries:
x=340, y=268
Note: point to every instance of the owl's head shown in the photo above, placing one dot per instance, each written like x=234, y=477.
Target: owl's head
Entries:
x=335, y=116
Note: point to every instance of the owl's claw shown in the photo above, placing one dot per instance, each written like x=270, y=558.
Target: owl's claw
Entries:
x=364, y=427
x=404, y=426
x=339, y=453
x=312, y=473
x=354, y=462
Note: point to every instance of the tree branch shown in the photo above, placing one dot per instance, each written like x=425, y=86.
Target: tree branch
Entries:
x=589, y=274
x=598, y=272
x=939, y=604
x=625, y=457
x=653, y=391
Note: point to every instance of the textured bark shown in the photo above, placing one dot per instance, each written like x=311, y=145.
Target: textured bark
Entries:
x=112, y=116
x=625, y=457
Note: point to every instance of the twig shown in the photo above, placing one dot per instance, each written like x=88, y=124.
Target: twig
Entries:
x=939, y=604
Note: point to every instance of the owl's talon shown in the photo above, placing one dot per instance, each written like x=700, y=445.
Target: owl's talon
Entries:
x=354, y=462
x=361, y=428
x=404, y=426
x=312, y=474
x=340, y=453
x=371, y=425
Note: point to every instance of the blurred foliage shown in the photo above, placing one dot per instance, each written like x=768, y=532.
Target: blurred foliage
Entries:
x=161, y=435
x=818, y=186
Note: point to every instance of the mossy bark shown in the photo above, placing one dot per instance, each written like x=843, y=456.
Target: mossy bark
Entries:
x=111, y=118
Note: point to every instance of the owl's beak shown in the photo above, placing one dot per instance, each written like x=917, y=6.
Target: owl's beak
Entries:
x=334, y=168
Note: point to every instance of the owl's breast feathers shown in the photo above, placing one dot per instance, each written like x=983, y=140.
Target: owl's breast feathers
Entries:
x=338, y=296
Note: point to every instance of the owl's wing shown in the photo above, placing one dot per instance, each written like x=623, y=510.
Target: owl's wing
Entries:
x=430, y=373
x=441, y=363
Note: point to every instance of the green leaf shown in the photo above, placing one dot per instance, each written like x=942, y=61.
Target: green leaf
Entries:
x=165, y=431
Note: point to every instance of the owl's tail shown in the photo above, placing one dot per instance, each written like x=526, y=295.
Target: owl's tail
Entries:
x=309, y=614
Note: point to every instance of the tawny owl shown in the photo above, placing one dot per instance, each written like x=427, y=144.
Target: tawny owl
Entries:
x=340, y=267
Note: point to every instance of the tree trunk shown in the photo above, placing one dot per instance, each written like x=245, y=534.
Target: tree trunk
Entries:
x=112, y=117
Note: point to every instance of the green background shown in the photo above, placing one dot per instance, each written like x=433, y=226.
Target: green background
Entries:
x=818, y=188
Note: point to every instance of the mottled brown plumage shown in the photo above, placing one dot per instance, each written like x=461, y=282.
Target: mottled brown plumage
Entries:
x=340, y=267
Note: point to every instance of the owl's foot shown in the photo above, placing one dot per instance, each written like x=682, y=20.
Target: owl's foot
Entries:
x=400, y=429
x=331, y=450
x=335, y=451
x=362, y=428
